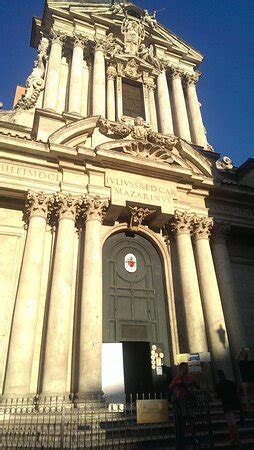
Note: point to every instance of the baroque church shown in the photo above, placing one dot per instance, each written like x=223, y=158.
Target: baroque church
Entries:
x=126, y=239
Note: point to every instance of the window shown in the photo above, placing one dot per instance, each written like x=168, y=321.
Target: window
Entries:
x=133, y=105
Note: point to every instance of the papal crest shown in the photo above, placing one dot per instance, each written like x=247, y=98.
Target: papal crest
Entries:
x=130, y=262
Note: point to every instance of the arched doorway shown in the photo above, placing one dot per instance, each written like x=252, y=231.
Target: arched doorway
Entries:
x=135, y=309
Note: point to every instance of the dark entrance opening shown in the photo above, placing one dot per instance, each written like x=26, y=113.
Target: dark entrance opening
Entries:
x=137, y=367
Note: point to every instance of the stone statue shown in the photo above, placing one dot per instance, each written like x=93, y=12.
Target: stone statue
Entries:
x=149, y=19
x=147, y=54
x=112, y=47
x=134, y=34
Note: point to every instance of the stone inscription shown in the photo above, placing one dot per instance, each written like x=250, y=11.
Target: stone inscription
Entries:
x=126, y=187
x=27, y=172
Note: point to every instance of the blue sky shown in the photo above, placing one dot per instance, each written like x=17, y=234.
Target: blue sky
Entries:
x=221, y=29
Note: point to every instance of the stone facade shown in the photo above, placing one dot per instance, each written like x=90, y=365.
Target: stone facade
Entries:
x=74, y=170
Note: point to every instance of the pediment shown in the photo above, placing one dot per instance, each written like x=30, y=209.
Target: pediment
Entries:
x=131, y=140
x=104, y=13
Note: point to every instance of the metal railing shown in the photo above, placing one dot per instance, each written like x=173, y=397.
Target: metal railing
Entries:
x=61, y=423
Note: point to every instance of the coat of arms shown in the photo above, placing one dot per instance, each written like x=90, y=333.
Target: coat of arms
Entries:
x=130, y=262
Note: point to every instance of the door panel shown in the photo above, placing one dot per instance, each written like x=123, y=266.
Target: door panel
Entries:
x=134, y=307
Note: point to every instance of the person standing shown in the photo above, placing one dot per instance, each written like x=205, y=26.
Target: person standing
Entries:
x=226, y=391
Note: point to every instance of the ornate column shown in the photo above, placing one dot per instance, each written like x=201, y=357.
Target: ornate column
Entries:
x=226, y=286
x=75, y=97
x=99, y=79
x=179, y=111
x=111, y=96
x=211, y=297
x=164, y=107
x=59, y=315
x=91, y=298
x=21, y=347
x=182, y=226
x=195, y=119
x=153, y=112
x=54, y=68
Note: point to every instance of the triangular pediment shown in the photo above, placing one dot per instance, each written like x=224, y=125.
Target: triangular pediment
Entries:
x=104, y=12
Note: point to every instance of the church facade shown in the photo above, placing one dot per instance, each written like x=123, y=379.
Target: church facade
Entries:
x=119, y=222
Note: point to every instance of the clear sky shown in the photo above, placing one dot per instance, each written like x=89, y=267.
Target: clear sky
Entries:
x=223, y=30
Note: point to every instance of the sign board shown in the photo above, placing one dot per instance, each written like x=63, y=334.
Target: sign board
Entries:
x=152, y=411
x=113, y=373
x=198, y=357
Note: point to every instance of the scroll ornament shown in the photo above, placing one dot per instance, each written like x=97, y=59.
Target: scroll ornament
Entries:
x=35, y=82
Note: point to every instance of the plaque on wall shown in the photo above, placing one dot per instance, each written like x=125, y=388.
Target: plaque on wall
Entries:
x=152, y=411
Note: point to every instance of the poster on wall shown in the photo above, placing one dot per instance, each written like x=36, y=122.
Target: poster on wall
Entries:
x=113, y=373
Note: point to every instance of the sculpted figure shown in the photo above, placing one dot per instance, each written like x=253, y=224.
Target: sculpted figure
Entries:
x=112, y=46
x=150, y=19
x=147, y=54
x=134, y=33
x=117, y=8
x=140, y=129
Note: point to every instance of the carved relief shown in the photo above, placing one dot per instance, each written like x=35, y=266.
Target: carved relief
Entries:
x=38, y=204
x=147, y=150
x=134, y=34
x=225, y=164
x=140, y=130
x=202, y=227
x=131, y=70
x=114, y=130
x=95, y=207
x=35, y=82
x=138, y=215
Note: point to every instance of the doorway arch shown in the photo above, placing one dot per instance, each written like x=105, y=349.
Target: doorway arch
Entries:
x=135, y=307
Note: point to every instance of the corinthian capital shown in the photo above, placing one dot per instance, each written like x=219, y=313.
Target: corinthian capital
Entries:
x=57, y=36
x=191, y=79
x=175, y=72
x=202, y=227
x=182, y=223
x=38, y=204
x=79, y=40
x=67, y=206
x=111, y=72
x=95, y=207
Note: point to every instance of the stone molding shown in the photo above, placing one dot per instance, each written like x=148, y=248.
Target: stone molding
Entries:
x=146, y=150
x=202, y=227
x=138, y=215
x=38, y=205
x=94, y=208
